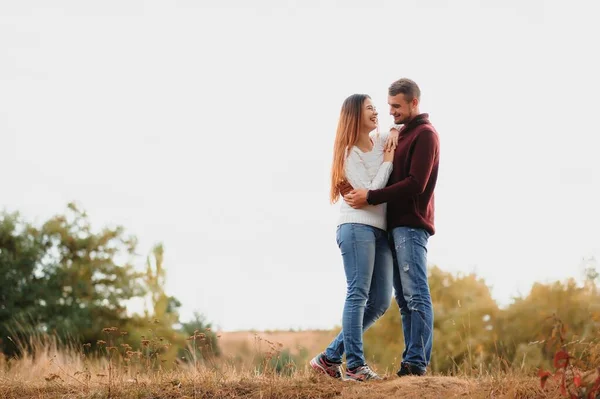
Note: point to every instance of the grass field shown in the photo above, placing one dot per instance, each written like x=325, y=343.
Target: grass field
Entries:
x=303, y=385
x=54, y=373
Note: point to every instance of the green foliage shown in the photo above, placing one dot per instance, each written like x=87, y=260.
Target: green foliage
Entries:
x=65, y=279
x=463, y=325
x=472, y=335
x=465, y=314
x=68, y=280
x=164, y=307
x=530, y=319
x=206, y=346
x=90, y=275
x=23, y=287
x=280, y=362
x=161, y=309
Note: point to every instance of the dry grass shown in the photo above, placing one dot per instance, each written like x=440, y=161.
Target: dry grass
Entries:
x=243, y=347
x=67, y=373
x=210, y=384
x=54, y=373
x=312, y=341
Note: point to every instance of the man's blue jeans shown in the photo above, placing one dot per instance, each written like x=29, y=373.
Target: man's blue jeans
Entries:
x=411, y=290
x=368, y=264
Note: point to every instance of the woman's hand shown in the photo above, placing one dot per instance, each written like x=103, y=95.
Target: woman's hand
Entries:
x=388, y=155
x=345, y=187
x=392, y=140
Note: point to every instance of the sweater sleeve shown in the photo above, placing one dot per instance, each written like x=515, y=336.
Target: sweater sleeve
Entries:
x=357, y=176
x=382, y=138
x=425, y=152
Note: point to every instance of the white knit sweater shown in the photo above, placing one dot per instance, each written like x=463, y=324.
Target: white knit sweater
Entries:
x=367, y=170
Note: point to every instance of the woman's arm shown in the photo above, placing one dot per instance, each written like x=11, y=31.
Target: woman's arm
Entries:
x=357, y=176
x=389, y=141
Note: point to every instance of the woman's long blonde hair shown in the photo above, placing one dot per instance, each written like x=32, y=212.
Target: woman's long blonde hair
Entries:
x=345, y=138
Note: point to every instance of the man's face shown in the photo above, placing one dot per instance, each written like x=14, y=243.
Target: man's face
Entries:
x=400, y=109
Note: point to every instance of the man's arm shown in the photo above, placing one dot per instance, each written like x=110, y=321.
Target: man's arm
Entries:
x=426, y=150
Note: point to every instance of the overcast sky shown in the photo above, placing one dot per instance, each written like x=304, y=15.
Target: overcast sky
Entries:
x=209, y=126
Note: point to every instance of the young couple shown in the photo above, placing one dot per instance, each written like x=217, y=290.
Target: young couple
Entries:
x=387, y=182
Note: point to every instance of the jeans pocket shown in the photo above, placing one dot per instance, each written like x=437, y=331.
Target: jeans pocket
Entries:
x=363, y=232
x=419, y=237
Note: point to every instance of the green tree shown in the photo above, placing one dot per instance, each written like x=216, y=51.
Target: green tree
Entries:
x=205, y=345
x=91, y=275
x=464, y=316
x=530, y=320
x=23, y=288
x=164, y=307
x=161, y=313
x=64, y=278
x=464, y=319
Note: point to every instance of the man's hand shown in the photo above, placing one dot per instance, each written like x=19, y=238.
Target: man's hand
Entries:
x=392, y=140
x=356, y=198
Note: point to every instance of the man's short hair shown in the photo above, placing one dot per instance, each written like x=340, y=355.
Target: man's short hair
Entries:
x=407, y=87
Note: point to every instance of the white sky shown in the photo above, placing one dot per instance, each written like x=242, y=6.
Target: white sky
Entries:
x=211, y=128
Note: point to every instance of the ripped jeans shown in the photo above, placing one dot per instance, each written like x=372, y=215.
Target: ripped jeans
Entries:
x=411, y=290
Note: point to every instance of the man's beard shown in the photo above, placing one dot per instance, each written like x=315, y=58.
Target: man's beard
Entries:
x=405, y=119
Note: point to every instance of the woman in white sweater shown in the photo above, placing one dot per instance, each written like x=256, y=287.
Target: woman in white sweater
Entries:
x=361, y=160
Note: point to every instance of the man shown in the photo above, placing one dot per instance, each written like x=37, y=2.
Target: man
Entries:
x=409, y=195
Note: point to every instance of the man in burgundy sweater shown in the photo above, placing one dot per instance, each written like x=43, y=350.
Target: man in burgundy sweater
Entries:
x=409, y=195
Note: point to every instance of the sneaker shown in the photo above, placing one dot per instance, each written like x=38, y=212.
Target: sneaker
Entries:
x=410, y=369
x=321, y=364
x=362, y=373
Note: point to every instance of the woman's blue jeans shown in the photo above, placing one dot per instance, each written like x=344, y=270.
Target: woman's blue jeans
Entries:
x=368, y=264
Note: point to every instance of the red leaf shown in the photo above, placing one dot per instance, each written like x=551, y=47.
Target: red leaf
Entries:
x=563, y=389
x=563, y=386
x=577, y=380
x=561, y=359
x=592, y=394
x=543, y=377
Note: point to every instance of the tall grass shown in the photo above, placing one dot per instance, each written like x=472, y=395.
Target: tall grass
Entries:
x=47, y=367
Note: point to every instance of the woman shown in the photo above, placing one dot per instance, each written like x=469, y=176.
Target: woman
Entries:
x=361, y=160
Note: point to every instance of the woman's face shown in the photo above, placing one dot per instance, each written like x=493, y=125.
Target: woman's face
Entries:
x=369, y=115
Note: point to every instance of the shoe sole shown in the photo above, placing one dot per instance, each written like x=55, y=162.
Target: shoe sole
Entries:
x=410, y=375
x=361, y=379
x=317, y=367
x=353, y=379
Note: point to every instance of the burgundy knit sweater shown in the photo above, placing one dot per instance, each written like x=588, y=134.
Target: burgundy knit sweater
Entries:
x=410, y=190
